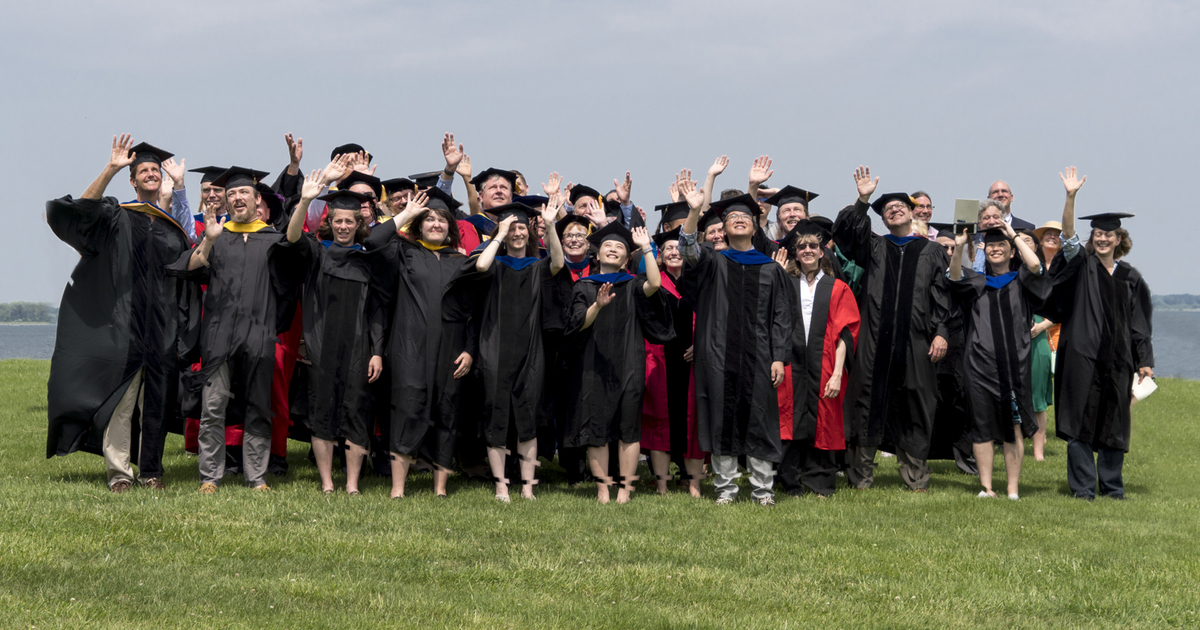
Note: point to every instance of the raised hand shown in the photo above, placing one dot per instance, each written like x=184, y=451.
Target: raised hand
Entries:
x=311, y=188
x=502, y=229
x=641, y=237
x=694, y=197
x=718, y=166
x=550, y=210
x=362, y=163
x=553, y=187
x=623, y=189
x=1071, y=180
x=604, y=295
x=781, y=257
x=961, y=238
x=416, y=203
x=674, y=189
x=453, y=154
x=176, y=171
x=862, y=179
x=121, y=157
x=212, y=227
x=761, y=171
x=464, y=167
x=295, y=149
x=337, y=169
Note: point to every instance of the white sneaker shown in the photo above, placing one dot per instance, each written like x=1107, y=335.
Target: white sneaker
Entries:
x=724, y=500
x=983, y=494
x=1013, y=497
x=767, y=502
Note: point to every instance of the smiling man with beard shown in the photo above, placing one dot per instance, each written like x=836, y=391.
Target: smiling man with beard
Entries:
x=251, y=271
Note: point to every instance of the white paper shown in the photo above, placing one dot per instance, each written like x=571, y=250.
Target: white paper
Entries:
x=1143, y=389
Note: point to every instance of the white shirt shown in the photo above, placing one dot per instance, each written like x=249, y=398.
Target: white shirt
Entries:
x=808, y=295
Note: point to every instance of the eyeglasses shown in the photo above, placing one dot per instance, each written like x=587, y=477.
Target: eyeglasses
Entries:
x=737, y=215
x=895, y=206
x=924, y=207
x=574, y=237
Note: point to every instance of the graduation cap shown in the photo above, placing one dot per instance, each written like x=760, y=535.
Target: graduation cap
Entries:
x=661, y=238
x=208, y=173
x=565, y=222
x=884, y=200
x=145, y=152
x=995, y=235
x=804, y=227
x=273, y=200
x=519, y=210
x=344, y=199
x=791, y=194
x=673, y=211
x=425, y=180
x=479, y=179
x=826, y=224
x=398, y=184
x=1107, y=221
x=533, y=201
x=356, y=177
x=741, y=203
x=613, y=232
x=238, y=176
x=349, y=148
x=439, y=199
x=579, y=190
x=713, y=216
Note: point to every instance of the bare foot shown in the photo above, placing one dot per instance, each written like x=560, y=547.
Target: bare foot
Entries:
x=661, y=486
x=694, y=490
x=622, y=495
x=602, y=493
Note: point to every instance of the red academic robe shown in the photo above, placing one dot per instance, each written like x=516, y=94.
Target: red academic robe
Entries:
x=656, y=419
x=842, y=322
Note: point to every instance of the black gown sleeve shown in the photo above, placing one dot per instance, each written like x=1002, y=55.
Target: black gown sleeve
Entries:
x=80, y=223
x=654, y=314
x=852, y=233
x=783, y=320
x=942, y=313
x=1141, y=312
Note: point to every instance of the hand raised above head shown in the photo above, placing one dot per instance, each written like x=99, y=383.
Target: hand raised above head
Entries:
x=452, y=153
x=641, y=237
x=1071, y=180
x=311, y=188
x=121, y=157
x=761, y=171
x=464, y=167
x=718, y=166
x=175, y=170
x=295, y=148
x=694, y=197
x=862, y=179
x=624, y=188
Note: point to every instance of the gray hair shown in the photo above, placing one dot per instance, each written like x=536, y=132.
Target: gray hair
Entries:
x=989, y=203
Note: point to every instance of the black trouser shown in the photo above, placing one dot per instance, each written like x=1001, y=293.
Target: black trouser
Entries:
x=806, y=468
x=1085, y=467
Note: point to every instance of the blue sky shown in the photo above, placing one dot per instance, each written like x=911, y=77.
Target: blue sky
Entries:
x=941, y=96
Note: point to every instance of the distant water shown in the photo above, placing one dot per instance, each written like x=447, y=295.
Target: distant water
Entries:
x=26, y=341
x=1176, y=343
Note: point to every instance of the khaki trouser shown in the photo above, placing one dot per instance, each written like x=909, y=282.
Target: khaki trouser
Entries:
x=118, y=435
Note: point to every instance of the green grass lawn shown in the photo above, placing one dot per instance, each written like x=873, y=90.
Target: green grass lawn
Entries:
x=72, y=555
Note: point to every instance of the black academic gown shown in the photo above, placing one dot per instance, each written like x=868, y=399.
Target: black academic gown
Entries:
x=744, y=319
x=996, y=364
x=607, y=364
x=423, y=339
x=952, y=420
x=904, y=303
x=1105, y=338
x=254, y=280
x=512, y=362
x=123, y=310
x=337, y=337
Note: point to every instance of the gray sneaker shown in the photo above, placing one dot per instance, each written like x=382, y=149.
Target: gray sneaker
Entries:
x=724, y=500
x=767, y=501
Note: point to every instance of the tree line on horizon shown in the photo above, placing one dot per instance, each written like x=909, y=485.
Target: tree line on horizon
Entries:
x=28, y=312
